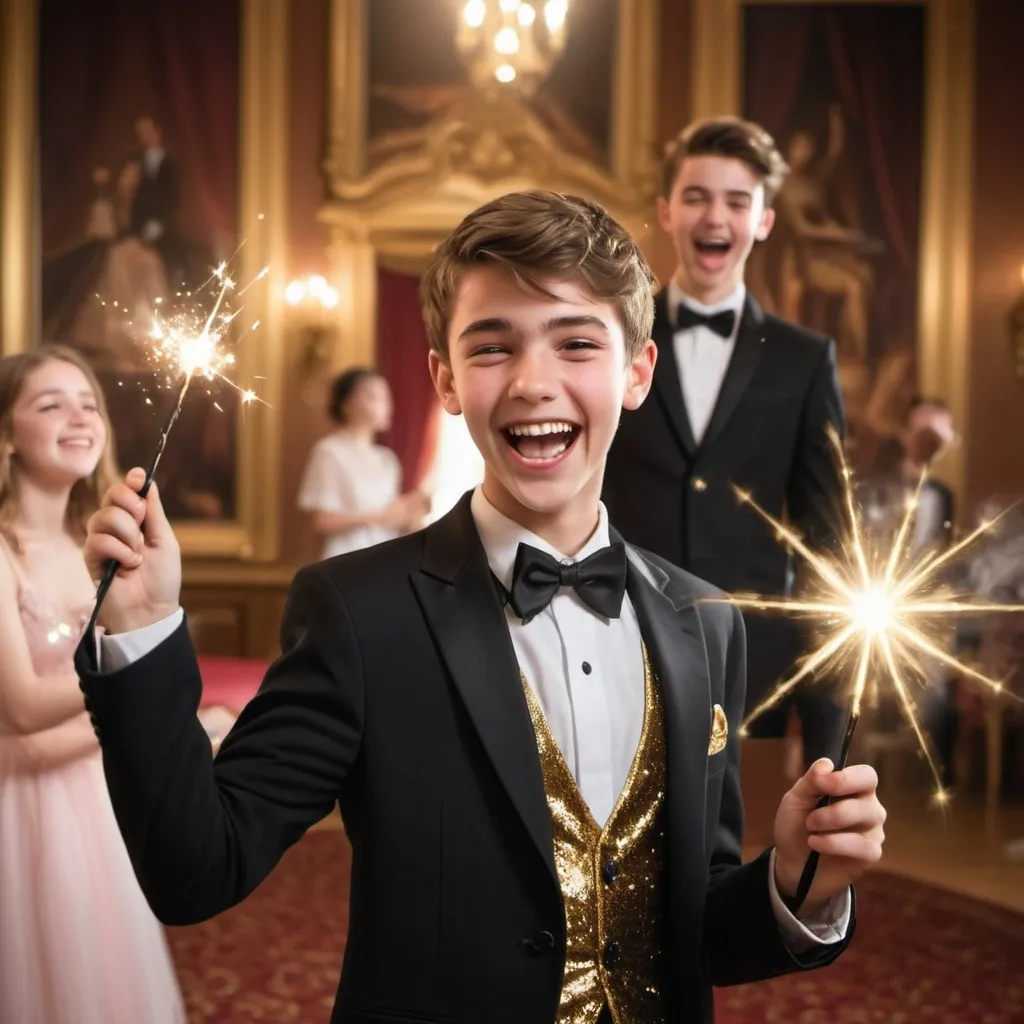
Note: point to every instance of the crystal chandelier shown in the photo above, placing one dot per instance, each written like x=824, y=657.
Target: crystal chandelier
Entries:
x=509, y=42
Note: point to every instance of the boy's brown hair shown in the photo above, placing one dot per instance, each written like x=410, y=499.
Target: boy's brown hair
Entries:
x=543, y=234
x=729, y=137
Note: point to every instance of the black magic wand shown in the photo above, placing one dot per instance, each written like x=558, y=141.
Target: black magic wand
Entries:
x=113, y=566
x=811, y=866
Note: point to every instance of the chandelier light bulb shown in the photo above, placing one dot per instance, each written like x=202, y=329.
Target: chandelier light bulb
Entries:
x=526, y=15
x=474, y=13
x=555, y=12
x=506, y=42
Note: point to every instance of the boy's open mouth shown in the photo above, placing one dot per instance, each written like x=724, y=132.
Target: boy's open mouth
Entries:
x=539, y=442
x=712, y=246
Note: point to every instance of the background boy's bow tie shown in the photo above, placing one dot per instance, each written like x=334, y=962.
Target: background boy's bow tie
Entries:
x=721, y=323
x=599, y=579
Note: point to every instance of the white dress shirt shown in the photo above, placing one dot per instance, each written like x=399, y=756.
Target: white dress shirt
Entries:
x=595, y=716
x=701, y=355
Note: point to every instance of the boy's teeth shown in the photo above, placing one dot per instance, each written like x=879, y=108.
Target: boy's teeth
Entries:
x=539, y=429
x=541, y=440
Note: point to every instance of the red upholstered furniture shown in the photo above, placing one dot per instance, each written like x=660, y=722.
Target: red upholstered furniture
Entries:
x=230, y=682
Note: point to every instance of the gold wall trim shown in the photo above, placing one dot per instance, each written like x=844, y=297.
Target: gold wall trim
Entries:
x=263, y=127
x=398, y=211
x=943, y=363
x=19, y=198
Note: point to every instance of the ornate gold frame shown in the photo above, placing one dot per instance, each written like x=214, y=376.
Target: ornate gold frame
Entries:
x=943, y=362
x=262, y=179
x=400, y=210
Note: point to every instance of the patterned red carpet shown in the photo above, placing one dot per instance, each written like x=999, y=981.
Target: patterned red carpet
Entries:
x=921, y=956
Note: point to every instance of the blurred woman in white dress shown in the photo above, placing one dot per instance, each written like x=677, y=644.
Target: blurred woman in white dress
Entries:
x=352, y=485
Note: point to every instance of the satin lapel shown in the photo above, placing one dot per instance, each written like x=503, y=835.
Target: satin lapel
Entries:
x=666, y=376
x=672, y=631
x=745, y=357
x=463, y=611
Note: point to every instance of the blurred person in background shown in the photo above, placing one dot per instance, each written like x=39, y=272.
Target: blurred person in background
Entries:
x=352, y=484
x=78, y=943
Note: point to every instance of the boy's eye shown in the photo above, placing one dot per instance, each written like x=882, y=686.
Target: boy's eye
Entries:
x=578, y=344
x=486, y=350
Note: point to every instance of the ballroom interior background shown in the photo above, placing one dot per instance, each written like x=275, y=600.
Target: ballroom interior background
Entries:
x=237, y=600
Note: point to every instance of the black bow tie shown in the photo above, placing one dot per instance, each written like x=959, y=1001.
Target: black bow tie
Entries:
x=599, y=579
x=721, y=323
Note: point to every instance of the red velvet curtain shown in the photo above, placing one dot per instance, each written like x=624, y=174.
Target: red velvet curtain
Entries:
x=775, y=49
x=402, y=359
x=865, y=47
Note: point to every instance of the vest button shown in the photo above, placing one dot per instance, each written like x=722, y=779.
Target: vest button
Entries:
x=610, y=872
x=699, y=484
x=612, y=955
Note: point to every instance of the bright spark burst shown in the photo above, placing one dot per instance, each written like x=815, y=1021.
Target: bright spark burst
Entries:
x=880, y=612
x=190, y=343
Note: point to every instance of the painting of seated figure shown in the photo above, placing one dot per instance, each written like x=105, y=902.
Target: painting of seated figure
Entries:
x=138, y=178
x=847, y=110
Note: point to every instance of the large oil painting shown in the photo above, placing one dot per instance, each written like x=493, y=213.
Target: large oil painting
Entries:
x=138, y=120
x=841, y=88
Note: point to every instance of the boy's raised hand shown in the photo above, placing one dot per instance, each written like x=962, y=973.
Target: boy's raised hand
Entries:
x=135, y=532
x=848, y=834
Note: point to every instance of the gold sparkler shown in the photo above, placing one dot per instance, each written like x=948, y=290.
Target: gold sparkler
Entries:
x=880, y=612
x=190, y=345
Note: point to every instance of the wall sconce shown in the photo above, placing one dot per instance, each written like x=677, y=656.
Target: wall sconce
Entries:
x=313, y=300
x=1017, y=331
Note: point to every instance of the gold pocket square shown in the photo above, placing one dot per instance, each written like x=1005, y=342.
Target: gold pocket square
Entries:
x=719, y=730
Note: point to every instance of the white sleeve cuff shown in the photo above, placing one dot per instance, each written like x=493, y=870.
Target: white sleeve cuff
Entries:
x=804, y=933
x=119, y=650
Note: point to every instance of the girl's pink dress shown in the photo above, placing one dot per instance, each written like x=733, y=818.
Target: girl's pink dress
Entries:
x=78, y=943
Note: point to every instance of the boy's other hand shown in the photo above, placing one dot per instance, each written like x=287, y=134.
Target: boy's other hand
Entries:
x=135, y=532
x=848, y=834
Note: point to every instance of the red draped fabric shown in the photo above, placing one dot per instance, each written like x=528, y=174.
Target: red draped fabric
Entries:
x=402, y=359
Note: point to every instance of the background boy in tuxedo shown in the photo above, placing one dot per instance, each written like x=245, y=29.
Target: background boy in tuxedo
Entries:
x=530, y=727
x=740, y=397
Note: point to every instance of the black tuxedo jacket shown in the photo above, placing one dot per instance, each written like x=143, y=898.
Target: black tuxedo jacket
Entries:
x=157, y=196
x=767, y=434
x=398, y=696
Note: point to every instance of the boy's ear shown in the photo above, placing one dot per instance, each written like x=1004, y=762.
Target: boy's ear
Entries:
x=639, y=375
x=764, y=228
x=444, y=383
x=664, y=214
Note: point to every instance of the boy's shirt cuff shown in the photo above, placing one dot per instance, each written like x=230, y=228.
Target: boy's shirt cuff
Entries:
x=116, y=651
x=804, y=933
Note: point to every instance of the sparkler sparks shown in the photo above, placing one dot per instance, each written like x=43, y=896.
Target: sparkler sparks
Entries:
x=189, y=344
x=881, y=613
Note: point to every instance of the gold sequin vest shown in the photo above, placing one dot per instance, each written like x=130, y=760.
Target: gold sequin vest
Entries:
x=611, y=878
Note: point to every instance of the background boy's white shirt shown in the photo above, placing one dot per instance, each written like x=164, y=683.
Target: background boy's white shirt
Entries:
x=702, y=357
